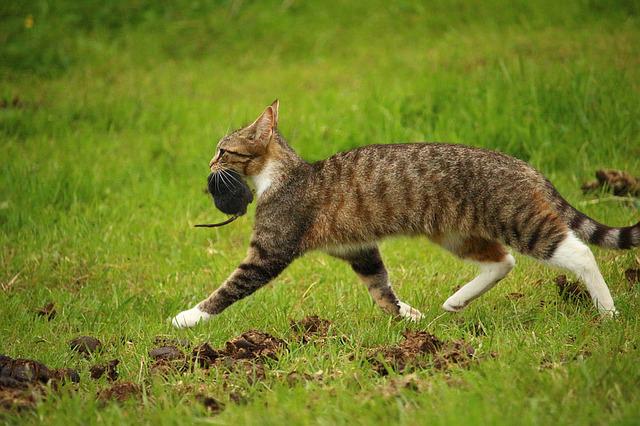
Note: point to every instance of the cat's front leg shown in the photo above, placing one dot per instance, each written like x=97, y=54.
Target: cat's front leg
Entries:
x=259, y=267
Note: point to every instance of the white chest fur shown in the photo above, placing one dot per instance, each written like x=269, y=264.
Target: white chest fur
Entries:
x=263, y=180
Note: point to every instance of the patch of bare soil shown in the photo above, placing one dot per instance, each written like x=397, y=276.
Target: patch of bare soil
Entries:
x=420, y=349
x=22, y=381
x=571, y=291
x=617, y=181
x=311, y=328
x=120, y=392
x=48, y=311
x=110, y=368
x=245, y=353
x=85, y=345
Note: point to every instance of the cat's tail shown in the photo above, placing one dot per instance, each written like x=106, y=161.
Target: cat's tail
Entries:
x=594, y=232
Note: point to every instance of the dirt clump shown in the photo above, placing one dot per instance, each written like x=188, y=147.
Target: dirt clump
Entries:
x=48, y=311
x=167, y=353
x=204, y=355
x=243, y=353
x=110, y=368
x=120, y=392
x=22, y=381
x=168, y=359
x=311, y=328
x=211, y=404
x=24, y=371
x=515, y=296
x=171, y=341
x=456, y=352
x=619, y=182
x=571, y=291
x=85, y=345
x=632, y=276
x=420, y=349
x=253, y=344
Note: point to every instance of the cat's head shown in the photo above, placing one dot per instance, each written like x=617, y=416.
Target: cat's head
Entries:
x=248, y=149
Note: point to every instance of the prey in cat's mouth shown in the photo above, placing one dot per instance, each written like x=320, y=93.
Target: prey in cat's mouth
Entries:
x=230, y=193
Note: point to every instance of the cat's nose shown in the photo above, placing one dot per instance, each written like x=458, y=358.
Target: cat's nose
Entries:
x=212, y=163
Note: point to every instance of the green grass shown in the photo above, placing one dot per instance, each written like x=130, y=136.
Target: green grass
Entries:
x=105, y=159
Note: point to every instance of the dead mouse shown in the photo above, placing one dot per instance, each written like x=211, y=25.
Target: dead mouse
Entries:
x=230, y=193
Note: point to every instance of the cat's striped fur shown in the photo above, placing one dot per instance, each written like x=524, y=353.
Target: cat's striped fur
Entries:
x=472, y=201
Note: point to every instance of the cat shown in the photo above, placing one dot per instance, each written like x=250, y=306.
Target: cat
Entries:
x=471, y=201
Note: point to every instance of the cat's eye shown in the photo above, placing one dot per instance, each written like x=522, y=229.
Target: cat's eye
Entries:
x=238, y=154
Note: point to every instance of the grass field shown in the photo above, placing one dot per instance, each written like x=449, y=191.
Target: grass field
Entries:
x=111, y=112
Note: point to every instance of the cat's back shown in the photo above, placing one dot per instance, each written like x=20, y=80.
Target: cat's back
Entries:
x=432, y=162
x=379, y=190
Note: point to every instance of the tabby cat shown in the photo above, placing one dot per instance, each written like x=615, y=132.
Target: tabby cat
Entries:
x=471, y=201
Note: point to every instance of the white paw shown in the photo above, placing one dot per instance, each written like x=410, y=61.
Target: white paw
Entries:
x=407, y=312
x=189, y=318
x=453, y=305
x=609, y=313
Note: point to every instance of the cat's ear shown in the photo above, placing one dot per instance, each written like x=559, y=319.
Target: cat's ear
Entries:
x=265, y=125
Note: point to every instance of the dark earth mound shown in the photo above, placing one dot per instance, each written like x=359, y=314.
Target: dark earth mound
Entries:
x=85, y=345
x=311, y=328
x=571, y=291
x=110, y=368
x=619, y=182
x=120, y=392
x=48, y=311
x=419, y=349
x=22, y=381
x=241, y=352
x=632, y=276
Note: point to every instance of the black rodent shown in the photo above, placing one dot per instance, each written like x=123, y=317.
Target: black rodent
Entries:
x=230, y=193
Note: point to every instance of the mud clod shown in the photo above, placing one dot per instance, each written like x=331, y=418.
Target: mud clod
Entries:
x=120, y=392
x=211, y=404
x=204, y=355
x=632, y=276
x=64, y=375
x=571, y=291
x=17, y=399
x=22, y=381
x=110, y=368
x=456, y=352
x=168, y=359
x=311, y=328
x=85, y=345
x=48, y=311
x=167, y=353
x=254, y=345
x=171, y=341
x=418, y=350
x=25, y=371
x=617, y=181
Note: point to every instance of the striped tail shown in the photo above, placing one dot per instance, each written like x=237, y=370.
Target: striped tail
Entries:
x=594, y=232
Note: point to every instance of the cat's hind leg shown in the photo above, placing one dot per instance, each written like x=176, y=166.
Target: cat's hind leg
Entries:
x=494, y=262
x=367, y=264
x=574, y=255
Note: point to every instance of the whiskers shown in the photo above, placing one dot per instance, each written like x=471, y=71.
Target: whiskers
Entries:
x=225, y=177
